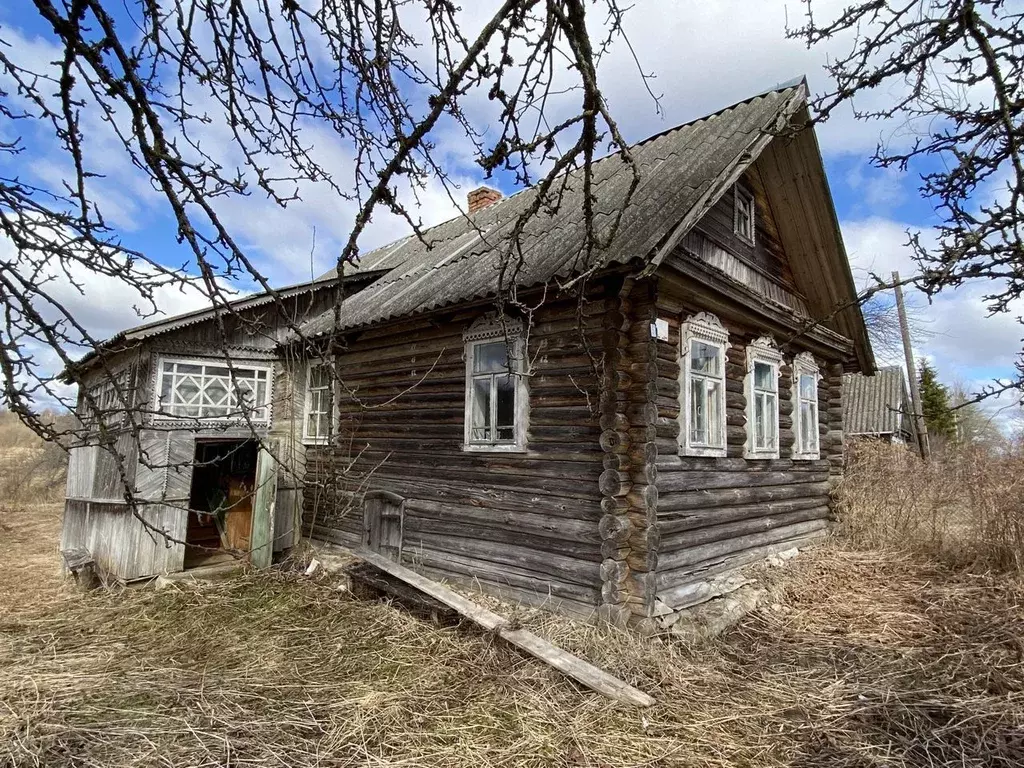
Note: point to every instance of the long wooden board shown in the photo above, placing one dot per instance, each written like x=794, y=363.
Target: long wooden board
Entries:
x=572, y=666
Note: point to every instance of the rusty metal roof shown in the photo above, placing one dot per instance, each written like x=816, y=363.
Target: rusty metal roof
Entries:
x=874, y=405
x=466, y=258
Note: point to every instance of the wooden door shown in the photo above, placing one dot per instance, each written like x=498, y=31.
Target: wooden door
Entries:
x=238, y=517
x=261, y=553
x=383, y=514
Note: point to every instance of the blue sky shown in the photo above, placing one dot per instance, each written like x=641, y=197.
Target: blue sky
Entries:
x=705, y=56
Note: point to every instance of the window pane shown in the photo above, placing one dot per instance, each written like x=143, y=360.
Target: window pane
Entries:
x=698, y=412
x=490, y=358
x=771, y=420
x=319, y=376
x=714, y=417
x=764, y=377
x=704, y=358
x=505, y=392
x=806, y=425
x=481, y=409
x=210, y=371
x=807, y=386
x=760, y=430
x=323, y=425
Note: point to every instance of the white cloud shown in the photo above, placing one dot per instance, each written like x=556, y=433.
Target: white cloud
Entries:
x=965, y=343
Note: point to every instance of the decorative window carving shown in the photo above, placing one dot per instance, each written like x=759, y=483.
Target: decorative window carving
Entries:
x=762, y=392
x=702, y=386
x=496, y=397
x=319, y=402
x=210, y=391
x=744, y=214
x=805, y=406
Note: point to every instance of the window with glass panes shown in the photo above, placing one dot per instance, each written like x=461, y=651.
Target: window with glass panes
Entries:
x=200, y=390
x=762, y=392
x=319, y=402
x=805, y=407
x=492, y=393
x=744, y=214
x=703, y=386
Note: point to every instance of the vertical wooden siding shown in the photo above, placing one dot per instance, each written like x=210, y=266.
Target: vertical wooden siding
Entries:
x=523, y=524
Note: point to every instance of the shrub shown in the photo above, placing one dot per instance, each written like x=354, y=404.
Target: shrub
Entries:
x=967, y=504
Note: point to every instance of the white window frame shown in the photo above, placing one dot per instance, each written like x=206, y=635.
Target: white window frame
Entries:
x=314, y=439
x=765, y=352
x=708, y=329
x=487, y=330
x=744, y=205
x=804, y=365
x=162, y=413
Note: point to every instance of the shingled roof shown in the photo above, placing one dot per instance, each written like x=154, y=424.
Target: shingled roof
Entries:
x=682, y=172
x=873, y=405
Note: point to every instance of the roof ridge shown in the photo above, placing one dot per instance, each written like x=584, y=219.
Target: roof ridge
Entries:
x=788, y=85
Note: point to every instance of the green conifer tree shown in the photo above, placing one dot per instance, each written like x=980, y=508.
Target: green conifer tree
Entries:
x=935, y=404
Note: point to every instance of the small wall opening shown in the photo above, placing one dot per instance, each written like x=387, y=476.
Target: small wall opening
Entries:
x=220, y=501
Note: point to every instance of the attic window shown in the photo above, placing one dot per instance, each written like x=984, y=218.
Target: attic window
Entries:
x=743, y=215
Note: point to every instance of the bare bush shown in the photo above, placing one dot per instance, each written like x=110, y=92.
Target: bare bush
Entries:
x=966, y=504
x=32, y=470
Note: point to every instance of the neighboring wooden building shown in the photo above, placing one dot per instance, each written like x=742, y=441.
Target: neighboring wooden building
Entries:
x=878, y=407
x=672, y=417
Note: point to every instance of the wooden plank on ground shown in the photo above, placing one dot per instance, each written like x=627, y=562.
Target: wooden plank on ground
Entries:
x=572, y=666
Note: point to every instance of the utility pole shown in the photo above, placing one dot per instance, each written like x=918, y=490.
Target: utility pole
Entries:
x=915, y=388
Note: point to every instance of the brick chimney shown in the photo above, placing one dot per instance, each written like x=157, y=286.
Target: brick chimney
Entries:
x=481, y=197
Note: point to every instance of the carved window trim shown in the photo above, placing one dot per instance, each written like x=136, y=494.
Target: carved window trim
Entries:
x=323, y=391
x=706, y=329
x=805, y=365
x=744, y=215
x=490, y=329
x=762, y=351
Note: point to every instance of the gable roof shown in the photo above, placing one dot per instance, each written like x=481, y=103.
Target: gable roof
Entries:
x=873, y=405
x=683, y=172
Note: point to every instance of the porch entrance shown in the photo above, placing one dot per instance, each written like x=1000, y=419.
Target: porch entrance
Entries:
x=221, y=501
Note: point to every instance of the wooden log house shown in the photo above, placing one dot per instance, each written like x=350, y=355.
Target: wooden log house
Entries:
x=618, y=448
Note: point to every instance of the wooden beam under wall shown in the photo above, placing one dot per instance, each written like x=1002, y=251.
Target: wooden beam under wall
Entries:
x=572, y=666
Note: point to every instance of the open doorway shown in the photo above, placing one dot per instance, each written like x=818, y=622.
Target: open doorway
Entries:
x=221, y=501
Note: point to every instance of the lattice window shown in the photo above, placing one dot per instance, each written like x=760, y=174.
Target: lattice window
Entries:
x=805, y=407
x=762, y=393
x=192, y=389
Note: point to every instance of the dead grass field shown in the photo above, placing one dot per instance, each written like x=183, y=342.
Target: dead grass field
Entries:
x=858, y=660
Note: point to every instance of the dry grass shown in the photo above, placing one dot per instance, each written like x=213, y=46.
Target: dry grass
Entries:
x=966, y=505
x=31, y=470
x=859, y=660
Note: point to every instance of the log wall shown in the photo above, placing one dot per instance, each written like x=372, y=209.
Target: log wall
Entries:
x=717, y=514
x=522, y=524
